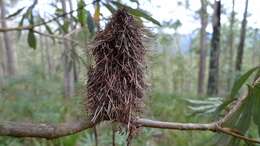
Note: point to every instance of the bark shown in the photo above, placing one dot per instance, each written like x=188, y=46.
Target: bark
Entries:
x=214, y=52
x=2, y=63
x=203, y=46
x=240, y=49
x=231, y=47
x=9, y=50
x=48, y=131
x=68, y=65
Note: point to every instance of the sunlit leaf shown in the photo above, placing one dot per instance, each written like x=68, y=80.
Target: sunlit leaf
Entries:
x=97, y=13
x=82, y=13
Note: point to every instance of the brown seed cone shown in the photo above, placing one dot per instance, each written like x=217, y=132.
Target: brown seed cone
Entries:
x=115, y=86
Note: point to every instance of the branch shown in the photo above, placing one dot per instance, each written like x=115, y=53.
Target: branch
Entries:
x=66, y=37
x=213, y=127
x=18, y=28
x=48, y=131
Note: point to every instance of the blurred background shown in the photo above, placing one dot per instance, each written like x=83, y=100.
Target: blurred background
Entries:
x=197, y=50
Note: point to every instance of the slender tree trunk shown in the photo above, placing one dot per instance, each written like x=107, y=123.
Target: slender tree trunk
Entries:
x=231, y=48
x=113, y=136
x=240, y=49
x=68, y=65
x=215, y=52
x=255, y=49
x=10, y=52
x=2, y=63
x=74, y=65
x=43, y=63
x=48, y=57
x=203, y=46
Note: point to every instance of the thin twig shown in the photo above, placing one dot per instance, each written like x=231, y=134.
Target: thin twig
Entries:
x=18, y=28
x=59, y=37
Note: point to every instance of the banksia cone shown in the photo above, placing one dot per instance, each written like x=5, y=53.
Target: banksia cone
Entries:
x=115, y=87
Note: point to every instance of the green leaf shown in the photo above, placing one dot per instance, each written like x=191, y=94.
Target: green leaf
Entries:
x=65, y=27
x=246, y=115
x=31, y=39
x=31, y=18
x=109, y=7
x=90, y=22
x=59, y=11
x=47, y=27
x=236, y=87
x=15, y=13
x=137, y=12
x=20, y=25
x=135, y=1
x=82, y=13
x=256, y=109
x=240, y=82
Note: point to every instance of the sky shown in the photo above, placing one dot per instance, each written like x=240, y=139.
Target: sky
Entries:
x=165, y=10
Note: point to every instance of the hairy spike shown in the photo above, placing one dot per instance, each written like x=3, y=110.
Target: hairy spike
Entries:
x=115, y=86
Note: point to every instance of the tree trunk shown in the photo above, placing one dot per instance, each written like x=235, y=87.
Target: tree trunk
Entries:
x=68, y=65
x=215, y=52
x=240, y=49
x=231, y=48
x=42, y=52
x=255, y=49
x=10, y=52
x=2, y=63
x=74, y=65
x=48, y=57
x=203, y=46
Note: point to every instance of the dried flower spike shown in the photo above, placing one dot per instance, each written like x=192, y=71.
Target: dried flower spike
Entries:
x=115, y=87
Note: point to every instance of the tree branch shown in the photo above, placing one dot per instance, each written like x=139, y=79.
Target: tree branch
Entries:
x=43, y=130
x=18, y=28
x=59, y=38
x=50, y=131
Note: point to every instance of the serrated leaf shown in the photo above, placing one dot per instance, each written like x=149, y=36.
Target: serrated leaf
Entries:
x=31, y=39
x=15, y=13
x=137, y=12
x=240, y=82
